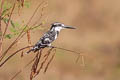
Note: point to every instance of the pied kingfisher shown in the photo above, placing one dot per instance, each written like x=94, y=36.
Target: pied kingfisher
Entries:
x=49, y=36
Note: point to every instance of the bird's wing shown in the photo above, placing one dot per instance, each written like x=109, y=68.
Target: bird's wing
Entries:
x=44, y=41
x=48, y=37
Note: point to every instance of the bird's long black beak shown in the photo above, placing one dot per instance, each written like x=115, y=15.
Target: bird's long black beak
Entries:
x=69, y=27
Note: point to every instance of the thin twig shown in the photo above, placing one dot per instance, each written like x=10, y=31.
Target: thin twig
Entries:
x=31, y=46
x=78, y=53
x=2, y=56
x=49, y=62
x=13, y=55
x=16, y=74
x=43, y=62
x=77, y=58
x=83, y=60
x=29, y=29
x=45, y=56
x=35, y=65
x=41, y=15
x=28, y=37
x=20, y=33
x=9, y=18
x=48, y=53
x=1, y=35
x=22, y=69
x=67, y=50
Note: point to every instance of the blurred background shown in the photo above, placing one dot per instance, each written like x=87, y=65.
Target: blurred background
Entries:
x=97, y=35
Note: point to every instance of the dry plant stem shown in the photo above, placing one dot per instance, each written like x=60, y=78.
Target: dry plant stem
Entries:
x=1, y=35
x=22, y=69
x=25, y=33
x=77, y=58
x=13, y=55
x=48, y=53
x=28, y=32
x=46, y=57
x=16, y=75
x=36, y=26
x=30, y=29
x=67, y=50
x=28, y=37
x=3, y=16
x=32, y=46
x=35, y=65
x=79, y=54
x=9, y=18
x=83, y=60
x=44, y=61
x=49, y=62
x=41, y=15
x=20, y=33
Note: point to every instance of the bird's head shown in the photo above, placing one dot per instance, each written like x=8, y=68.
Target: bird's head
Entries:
x=58, y=26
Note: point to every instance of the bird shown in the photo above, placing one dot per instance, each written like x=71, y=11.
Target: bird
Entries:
x=50, y=36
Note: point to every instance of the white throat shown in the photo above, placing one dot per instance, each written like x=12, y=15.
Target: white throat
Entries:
x=57, y=29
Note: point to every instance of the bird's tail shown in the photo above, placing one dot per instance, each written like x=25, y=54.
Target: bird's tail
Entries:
x=29, y=51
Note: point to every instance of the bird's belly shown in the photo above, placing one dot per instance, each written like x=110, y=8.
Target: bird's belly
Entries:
x=56, y=36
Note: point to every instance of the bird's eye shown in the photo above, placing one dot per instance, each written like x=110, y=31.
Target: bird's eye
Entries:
x=59, y=24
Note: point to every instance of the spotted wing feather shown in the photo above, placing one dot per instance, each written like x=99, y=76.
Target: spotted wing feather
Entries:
x=44, y=41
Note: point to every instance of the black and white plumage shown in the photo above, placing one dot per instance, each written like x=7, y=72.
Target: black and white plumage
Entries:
x=49, y=36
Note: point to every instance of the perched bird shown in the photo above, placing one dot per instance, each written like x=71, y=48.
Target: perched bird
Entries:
x=49, y=36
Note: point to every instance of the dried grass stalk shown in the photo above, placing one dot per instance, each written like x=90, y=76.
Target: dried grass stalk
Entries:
x=49, y=62
x=35, y=64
